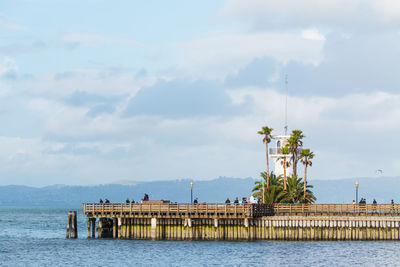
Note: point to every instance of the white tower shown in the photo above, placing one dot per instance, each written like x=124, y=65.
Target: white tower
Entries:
x=275, y=154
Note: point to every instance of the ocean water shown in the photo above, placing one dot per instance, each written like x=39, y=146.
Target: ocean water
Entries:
x=35, y=236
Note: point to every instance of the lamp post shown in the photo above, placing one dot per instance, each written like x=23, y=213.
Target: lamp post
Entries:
x=191, y=192
x=263, y=185
x=357, y=192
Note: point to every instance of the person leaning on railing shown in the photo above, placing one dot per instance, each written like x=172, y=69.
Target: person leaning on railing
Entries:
x=374, y=205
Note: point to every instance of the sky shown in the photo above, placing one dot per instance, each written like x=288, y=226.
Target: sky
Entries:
x=95, y=91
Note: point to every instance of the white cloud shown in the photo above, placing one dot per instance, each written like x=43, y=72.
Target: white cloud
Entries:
x=10, y=26
x=376, y=112
x=312, y=34
x=388, y=10
x=64, y=121
x=111, y=147
x=345, y=14
x=215, y=57
x=96, y=82
x=95, y=39
x=32, y=161
x=8, y=66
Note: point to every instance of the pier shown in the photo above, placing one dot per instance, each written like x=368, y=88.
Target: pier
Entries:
x=160, y=220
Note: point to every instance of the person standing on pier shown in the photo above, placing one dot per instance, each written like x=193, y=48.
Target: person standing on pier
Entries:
x=101, y=201
x=392, y=209
x=227, y=201
x=374, y=205
x=196, y=200
x=236, y=200
x=127, y=201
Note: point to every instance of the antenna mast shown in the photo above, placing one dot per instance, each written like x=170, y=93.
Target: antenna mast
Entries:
x=286, y=124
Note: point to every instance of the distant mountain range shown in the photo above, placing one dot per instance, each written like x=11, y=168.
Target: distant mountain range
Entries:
x=327, y=191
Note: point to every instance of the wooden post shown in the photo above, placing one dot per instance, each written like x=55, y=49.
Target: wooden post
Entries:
x=73, y=226
x=89, y=221
x=100, y=228
x=68, y=225
x=93, y=227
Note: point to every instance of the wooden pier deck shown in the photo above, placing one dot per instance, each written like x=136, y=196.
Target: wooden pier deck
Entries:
x=232, y=210
x=158, y=220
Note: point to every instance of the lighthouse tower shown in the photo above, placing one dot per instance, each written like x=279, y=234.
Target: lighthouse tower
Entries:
x=276, y=156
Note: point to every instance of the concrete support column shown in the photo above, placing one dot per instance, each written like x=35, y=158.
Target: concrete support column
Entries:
x=119, y=227
x=153, y=228
x=115, y=228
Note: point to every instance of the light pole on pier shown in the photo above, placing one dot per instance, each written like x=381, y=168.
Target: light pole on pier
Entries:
x=263, y=185
x=191, y=192
x=357, y=192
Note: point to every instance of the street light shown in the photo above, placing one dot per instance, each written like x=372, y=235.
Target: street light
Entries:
x=263, y=185
x=191, y=192
x=357, y=192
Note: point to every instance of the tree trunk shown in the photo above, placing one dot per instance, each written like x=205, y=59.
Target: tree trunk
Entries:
x=305, y=181
x=294, y=160
x=266, y=144
x=294, y=164
x=284, y=173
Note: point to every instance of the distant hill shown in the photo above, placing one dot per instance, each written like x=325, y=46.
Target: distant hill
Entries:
x=217, y=190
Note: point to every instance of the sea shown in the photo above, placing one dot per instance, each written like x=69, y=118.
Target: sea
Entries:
x=35, y=236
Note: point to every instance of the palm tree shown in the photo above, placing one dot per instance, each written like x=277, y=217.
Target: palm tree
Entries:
x=285, y=163
x=266, y=132
x=295, y=143
x=294, y=192
x=306, y=155
x=274, y=193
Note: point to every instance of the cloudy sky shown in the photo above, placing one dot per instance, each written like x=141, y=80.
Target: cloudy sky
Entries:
x=96, y=91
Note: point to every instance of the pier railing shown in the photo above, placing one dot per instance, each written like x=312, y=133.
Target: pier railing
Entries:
x=337, y=209
x=200, y=210
x=222, y=210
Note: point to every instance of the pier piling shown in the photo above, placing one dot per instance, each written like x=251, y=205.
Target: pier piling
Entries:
x=72, y=225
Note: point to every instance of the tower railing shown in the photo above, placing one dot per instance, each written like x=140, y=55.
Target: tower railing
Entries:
x=275, y=151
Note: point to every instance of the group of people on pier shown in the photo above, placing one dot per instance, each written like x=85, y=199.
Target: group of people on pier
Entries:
x=363, y=201
x=145, y=198
x=250, y=200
